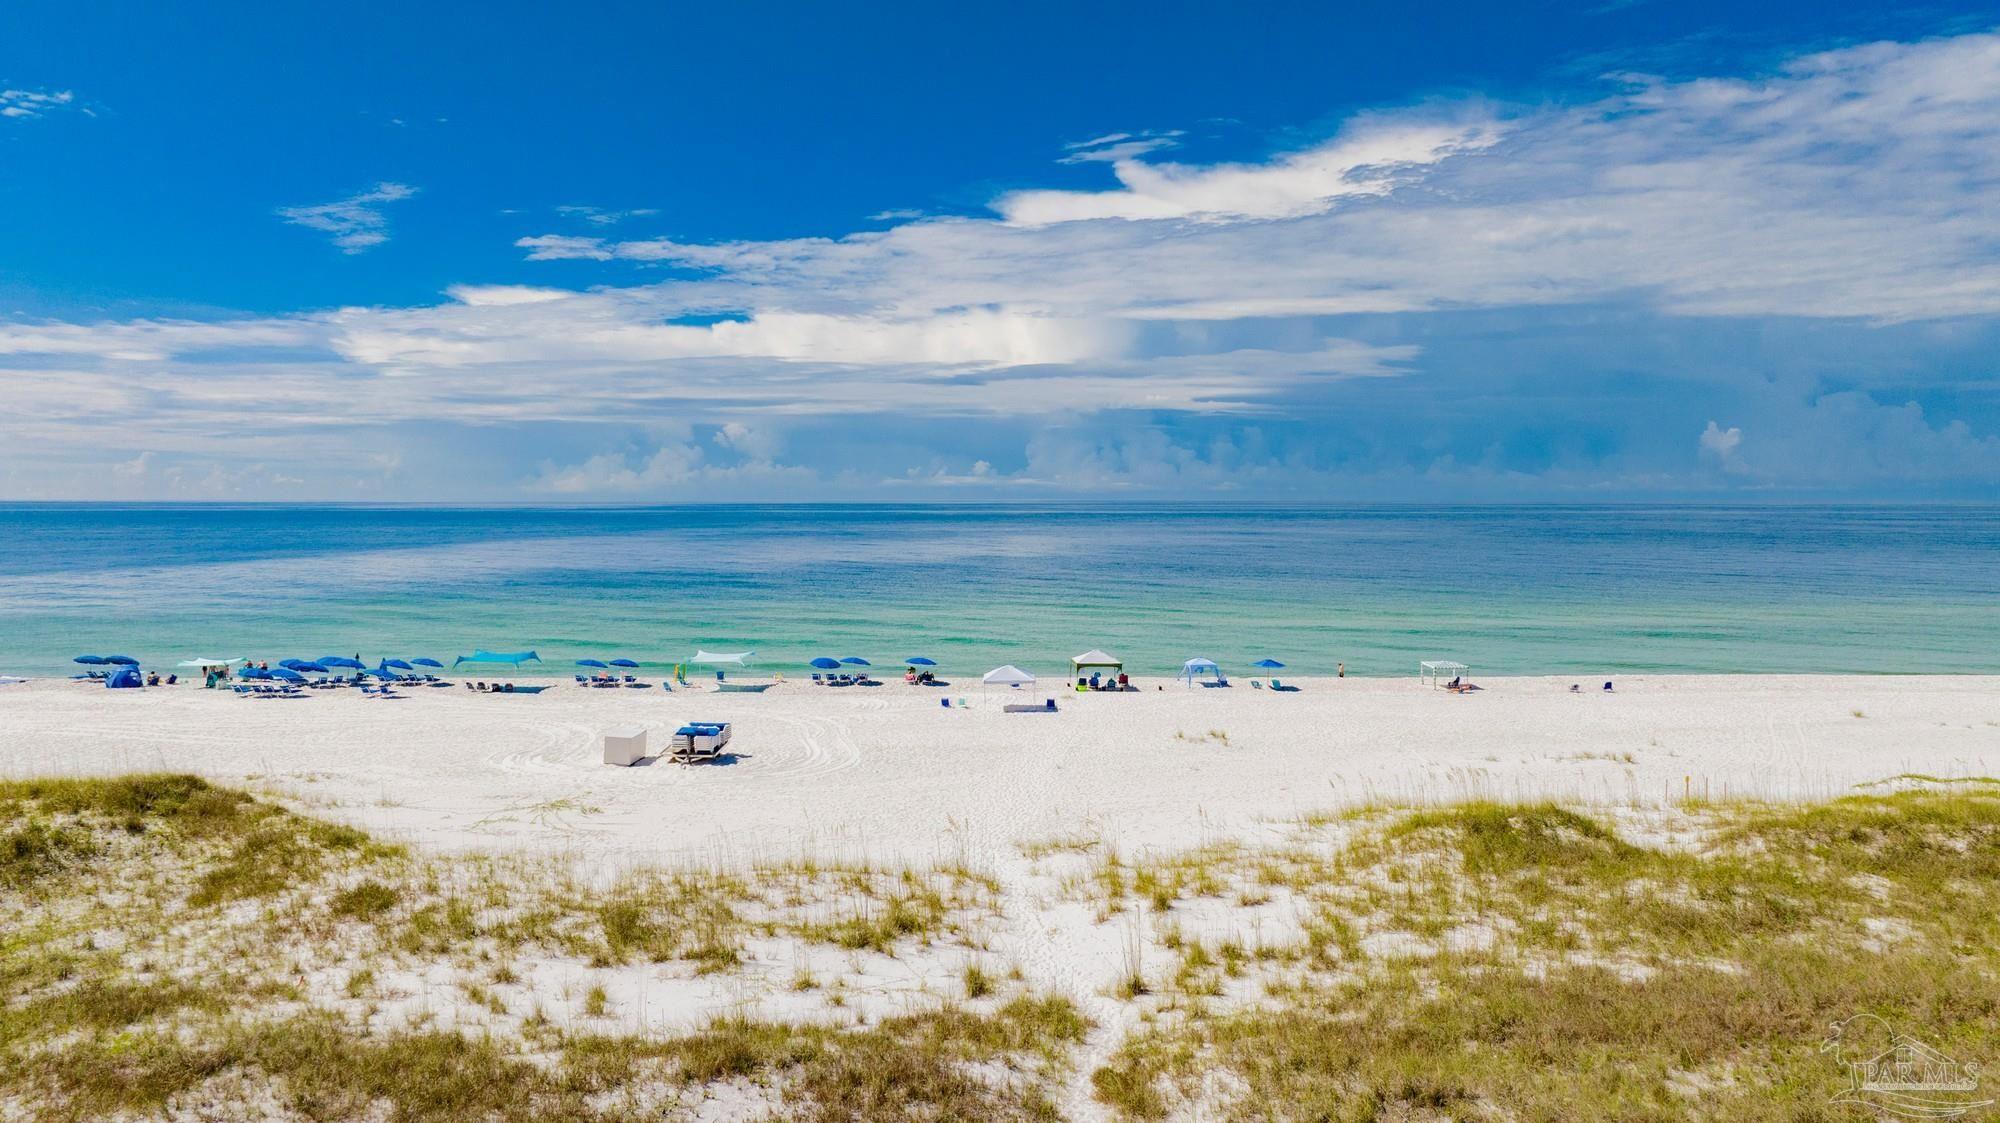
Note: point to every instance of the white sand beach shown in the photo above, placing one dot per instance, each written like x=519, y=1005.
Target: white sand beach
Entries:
x=887, y=772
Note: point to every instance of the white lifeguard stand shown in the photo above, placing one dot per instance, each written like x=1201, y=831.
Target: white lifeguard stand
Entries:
x=1434, y=671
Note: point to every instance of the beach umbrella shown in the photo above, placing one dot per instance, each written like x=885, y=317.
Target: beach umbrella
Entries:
x=253, y=673
x=294, y=664
x=826, y=664
x=287, y=674
x=398, y=664
x=1269, y=664
x=383, y=673
x=598, y=663
x=428, y=663
x=307, y=668
x=89, y=660
x=340, y=661
x=121, y=660
x=856, y=661
x=623, y=663
x=920, y=661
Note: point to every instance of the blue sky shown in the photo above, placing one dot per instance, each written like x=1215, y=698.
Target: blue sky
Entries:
x=648, y=253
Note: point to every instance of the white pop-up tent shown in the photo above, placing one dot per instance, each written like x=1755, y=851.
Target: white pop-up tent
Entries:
x=1434, y=671
x=1009, y=675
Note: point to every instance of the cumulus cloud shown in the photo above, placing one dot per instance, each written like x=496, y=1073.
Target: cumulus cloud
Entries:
x=1276, y=307
x=357, y=222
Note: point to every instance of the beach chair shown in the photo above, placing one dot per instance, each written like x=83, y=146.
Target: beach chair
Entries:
x=818, y=681
x=945, y=702
x=1277, y=685
x=1256, y=684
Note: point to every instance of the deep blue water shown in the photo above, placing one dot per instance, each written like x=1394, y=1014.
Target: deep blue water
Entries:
x=1511, y=590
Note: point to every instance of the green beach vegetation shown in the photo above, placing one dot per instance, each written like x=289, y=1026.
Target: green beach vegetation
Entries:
x=173, y=948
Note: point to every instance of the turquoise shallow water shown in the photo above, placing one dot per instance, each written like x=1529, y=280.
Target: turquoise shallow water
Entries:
x=1510, y=590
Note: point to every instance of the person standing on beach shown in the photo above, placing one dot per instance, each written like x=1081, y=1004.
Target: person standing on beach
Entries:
x=1343, y=670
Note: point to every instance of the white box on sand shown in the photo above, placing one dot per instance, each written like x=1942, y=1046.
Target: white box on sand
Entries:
x=625, y=746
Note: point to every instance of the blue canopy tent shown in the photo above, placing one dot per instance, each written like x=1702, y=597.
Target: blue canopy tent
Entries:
x=428, y=663
x=825, y=664
x=124, y=678
x=1269, y=664
x=514, y=657
x=340, y=661
x=1202, y=668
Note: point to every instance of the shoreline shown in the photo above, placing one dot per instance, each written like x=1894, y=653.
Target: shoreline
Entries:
x=888, y=771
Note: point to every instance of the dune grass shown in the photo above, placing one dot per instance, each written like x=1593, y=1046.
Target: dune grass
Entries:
x=1531, y=962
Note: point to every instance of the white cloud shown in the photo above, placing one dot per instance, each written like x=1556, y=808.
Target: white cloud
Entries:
x=1720, y=443
x=599, y=216
x=356, y=222
x=22, y=104
x=1114, y=147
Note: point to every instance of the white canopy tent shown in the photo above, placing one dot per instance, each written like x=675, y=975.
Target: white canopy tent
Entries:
x=1009, y=675
x=1434, y=671
x=1096, y=657
x=729, y=659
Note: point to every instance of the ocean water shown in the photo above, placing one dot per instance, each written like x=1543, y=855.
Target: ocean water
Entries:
x=1509, y=590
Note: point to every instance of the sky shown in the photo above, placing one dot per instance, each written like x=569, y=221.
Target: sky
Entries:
x=1615, y=250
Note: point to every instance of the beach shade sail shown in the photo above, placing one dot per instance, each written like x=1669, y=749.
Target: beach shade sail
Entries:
x=398, y=664
x=1269, y=664
x=121, y=660
x=825, y=664
x=1009, y=675
x=855, y=661
x=287, y=674
x=597, y=663
x=1097, y=657
x=89, y=660
x=207, y=663
x=515, y=657
x=428, y=663
x=713, y=659
x=627, y=663
x=124, y=678
x=1197, y=668
x=920, y=661
x=340, y=661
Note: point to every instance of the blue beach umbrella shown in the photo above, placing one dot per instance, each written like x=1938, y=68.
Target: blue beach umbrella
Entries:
x=121, y=660
x=287, y=674
x=340, y=661
x=855, y=661
x=920, y=661
x=294, y=664
x=623, y=663
x=308, y=668
x=398, y=664
x=598, y=663
x=382, y=673
x=428, y=663
x=1269, y=664
x=826, y=664
x=253, y=673
x=90, y=660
